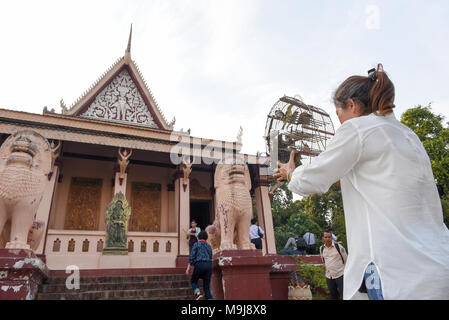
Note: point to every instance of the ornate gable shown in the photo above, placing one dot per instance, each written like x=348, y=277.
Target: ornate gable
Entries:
x=121, y=95
x=121, y=101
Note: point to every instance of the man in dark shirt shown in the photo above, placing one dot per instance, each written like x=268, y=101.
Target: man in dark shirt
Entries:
x=201, y=259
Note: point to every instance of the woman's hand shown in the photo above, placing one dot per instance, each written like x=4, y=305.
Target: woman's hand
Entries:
x=285, y=168
x=188, y=269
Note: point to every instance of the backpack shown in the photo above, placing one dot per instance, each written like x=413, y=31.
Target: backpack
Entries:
x=338, y=250
x=301, y=244
x=259, y=233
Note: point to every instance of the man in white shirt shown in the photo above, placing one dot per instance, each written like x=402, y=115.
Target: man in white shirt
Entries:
x=256, y=233
x=334, y=257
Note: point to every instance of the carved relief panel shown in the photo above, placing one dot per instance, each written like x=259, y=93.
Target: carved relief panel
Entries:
x=83, y=206
x=146, y=207
x=121, y=101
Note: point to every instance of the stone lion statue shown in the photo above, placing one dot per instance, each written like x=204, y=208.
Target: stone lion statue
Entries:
x=25, y=162
x=233, y=211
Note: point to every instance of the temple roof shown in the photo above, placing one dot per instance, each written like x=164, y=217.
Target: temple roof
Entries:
x=120, y=95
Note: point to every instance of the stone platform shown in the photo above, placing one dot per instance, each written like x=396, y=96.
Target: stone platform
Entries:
x=21, y=273
x=250, y=275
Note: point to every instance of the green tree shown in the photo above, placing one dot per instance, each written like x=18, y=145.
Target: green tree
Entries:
x=297, y=225
x=327, y=211
x=434, y=136
x=289, y=218
x=282, y=205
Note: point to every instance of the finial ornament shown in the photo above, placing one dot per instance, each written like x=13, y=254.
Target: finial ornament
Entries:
x=64, y=109
x=172, y=123
x=240, y=135
x=128, y=48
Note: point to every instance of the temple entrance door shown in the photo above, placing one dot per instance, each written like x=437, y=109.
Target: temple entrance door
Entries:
x=200, y=211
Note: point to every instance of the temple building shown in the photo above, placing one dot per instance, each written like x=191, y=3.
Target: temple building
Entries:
x=114, y=139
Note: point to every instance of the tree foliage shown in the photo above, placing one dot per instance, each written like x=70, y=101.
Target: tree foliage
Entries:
x=289, y=218
x=282, y=205
x=327, y=211
x=297, y=225
x=434, y=136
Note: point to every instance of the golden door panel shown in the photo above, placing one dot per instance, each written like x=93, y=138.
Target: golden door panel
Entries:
x=145, y=207
x=83, y=206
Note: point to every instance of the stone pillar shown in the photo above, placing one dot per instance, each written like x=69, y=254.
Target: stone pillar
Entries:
x=241, y=275
x=43, y=212
x=264, y=213
x=182, y=207
x=21, y=273
x=120, y=183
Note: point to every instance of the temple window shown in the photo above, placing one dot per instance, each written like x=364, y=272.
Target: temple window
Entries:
x=57, y=245
x=71, y=246
x=100, y=245
x=85, y=246
x=168, y=246
x=143, y=246
x=156, y=246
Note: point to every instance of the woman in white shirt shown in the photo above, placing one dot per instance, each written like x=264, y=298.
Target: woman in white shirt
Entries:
x=397, y=242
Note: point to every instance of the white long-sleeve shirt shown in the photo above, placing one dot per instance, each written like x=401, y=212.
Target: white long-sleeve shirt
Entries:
x=253, y=231
x=392, y=209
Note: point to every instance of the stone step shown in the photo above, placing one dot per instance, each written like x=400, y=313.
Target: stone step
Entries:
x=84, y=287
x=120, y=279
x=120, y=294
x=119, y=287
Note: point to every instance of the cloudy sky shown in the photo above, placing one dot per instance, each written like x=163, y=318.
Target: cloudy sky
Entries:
x=218, y=65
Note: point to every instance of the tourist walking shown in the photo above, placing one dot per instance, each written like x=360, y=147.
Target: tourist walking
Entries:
x=192, y=233
x=309, y=238
x=334, y=258
x=256, y=233
x=397, y=240
x=201, y=260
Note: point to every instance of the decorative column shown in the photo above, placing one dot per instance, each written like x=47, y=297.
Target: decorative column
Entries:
x=182, y=207
x=43, y=212
x=264, y=214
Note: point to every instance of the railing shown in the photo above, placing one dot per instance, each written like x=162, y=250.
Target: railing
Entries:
x=86, y=247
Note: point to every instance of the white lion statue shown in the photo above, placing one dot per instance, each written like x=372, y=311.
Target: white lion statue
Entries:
x=25, y=162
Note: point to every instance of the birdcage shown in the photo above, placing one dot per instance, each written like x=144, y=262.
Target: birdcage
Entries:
x=294, y=125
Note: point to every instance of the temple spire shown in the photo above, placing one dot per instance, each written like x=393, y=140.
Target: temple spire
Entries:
x=128, y=48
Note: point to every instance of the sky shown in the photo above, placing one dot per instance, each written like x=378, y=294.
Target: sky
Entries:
x=218, y=65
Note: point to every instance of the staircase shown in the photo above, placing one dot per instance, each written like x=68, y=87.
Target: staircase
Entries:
x=120, y=287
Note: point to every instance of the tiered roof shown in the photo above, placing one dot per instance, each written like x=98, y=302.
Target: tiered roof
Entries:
x=121, y=94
